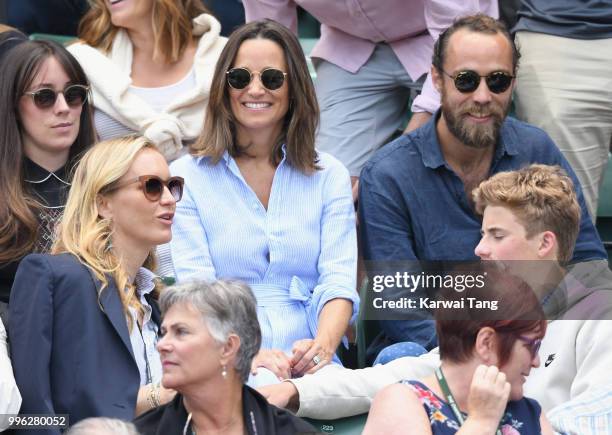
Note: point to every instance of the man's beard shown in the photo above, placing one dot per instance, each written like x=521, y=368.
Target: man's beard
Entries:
x=474, y=135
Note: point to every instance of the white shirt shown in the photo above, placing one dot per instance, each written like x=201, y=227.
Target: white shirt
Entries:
x=144, y=341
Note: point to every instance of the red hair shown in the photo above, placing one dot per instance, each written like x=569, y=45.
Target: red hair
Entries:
x=518, y=312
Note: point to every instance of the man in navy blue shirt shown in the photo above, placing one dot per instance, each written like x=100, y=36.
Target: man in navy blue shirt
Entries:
x=415, y=193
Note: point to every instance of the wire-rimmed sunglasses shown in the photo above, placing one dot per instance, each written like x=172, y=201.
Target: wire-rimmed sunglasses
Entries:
x=75, y=96
x=153, y=186
x=271, y=78
x=533, y=344
x=468, y=81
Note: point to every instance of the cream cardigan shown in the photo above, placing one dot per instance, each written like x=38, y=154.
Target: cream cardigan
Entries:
x=109, y=74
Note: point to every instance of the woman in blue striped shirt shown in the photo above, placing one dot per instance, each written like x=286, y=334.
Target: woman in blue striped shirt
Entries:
x=262, y=205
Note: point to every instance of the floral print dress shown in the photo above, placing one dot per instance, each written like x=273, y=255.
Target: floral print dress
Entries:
x=522, y=417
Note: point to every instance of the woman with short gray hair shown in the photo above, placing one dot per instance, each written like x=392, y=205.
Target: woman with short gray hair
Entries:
x=210, y=336
x=103, y=426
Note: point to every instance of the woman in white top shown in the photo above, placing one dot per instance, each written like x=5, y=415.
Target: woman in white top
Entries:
x=150, y=63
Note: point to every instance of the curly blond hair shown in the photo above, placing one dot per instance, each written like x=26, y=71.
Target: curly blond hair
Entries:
x=541, y=197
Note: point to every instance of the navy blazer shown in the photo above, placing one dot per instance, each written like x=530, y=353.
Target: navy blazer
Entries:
x=71, y=351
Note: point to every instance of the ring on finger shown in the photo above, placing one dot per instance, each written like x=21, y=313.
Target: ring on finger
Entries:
x=316, y=359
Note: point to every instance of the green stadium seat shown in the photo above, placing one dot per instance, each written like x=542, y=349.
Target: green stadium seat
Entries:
x=605, y=193
x=342, y=426
x=61, y=39
x=307, y=46
x=308, y=26
x=604, y=211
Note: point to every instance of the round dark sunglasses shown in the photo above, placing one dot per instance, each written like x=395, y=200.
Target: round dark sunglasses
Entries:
x=153, y=187
x=75, y=96
x=271, y=78
x=468, y=81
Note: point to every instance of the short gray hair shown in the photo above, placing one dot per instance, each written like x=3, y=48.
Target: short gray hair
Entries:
x=103, y=426
x=227, y=307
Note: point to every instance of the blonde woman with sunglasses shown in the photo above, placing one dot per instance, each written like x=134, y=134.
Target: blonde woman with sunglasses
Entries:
x=150, y=63
x=45, y=125
x=84, y=320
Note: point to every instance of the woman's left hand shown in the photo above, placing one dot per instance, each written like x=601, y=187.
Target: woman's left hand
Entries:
x=309, y=356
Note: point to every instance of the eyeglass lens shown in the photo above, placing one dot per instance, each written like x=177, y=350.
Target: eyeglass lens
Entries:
x=75, y=96
x=154, y=188
x=271, y=78
x=468, y=81
x=533, y=344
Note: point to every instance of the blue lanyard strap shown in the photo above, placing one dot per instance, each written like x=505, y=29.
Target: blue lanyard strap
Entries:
x=451, y=399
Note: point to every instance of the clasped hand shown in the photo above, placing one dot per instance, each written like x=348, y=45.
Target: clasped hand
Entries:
x=301, y=362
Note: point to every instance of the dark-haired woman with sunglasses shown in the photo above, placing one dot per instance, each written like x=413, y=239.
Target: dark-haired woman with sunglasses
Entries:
x=45, y=125
x=84, y=319
x=265, y=207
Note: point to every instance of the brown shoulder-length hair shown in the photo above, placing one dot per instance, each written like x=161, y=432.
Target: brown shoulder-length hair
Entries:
x=301, y=120
x=172, y=28
x=18, y=69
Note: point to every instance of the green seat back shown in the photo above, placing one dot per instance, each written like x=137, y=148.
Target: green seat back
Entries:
x=61, y=39
x=342, y=426
x=605, y=193
x=604, y=211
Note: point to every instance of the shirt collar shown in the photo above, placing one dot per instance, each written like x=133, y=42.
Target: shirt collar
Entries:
x=34, y=173
x=145, y=281
x=431, y=150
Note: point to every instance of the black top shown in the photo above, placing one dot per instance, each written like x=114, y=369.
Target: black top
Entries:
x=50, y=189
x=260, y=418
x=60, y=17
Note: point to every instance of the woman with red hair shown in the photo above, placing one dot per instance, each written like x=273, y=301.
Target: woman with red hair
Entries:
x=488, y=346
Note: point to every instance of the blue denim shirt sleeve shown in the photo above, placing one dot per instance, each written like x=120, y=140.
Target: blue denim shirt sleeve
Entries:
x=386, y=236
x=385, y=231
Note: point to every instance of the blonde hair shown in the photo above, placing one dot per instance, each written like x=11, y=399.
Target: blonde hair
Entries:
x=542, y=198
x=172, y=28
x=5, y=28
x=82, y=232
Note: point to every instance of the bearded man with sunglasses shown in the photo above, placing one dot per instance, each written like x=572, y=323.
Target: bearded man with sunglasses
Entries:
x=414, y=201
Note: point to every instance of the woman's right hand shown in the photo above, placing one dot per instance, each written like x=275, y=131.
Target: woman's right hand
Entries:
x=274, y=360
x=488, y=396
